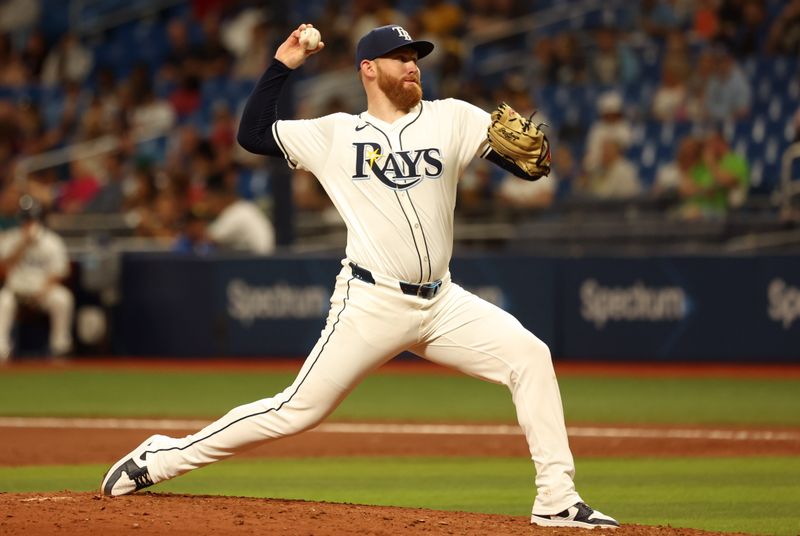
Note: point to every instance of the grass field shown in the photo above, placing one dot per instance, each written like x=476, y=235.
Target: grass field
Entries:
x=737, y=401
x=757, y=495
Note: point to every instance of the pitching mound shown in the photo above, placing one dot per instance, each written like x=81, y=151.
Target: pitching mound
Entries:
x=148, y=513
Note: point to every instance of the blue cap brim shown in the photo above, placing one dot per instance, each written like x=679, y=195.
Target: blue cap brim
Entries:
x=423, y=48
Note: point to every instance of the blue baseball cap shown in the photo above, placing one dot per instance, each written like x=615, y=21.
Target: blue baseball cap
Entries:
x=385, y=39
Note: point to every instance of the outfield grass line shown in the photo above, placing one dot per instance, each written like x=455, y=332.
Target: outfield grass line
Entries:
x=414, y=429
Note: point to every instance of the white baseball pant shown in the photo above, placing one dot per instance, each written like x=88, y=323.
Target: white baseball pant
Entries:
x=367, y=325
x=57, y=302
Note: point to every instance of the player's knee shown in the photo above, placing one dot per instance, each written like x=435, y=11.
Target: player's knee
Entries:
x=536, y=354
x=305, y=420
x=540, y=349
x=61, y=299
x=7, y=298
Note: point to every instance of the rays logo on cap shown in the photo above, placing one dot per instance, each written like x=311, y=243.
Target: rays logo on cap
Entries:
x=401, y=32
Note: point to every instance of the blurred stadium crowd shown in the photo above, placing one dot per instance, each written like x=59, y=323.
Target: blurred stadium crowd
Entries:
x=129, y=109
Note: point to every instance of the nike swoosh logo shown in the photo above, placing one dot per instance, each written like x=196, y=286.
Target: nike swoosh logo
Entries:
x=362, y=127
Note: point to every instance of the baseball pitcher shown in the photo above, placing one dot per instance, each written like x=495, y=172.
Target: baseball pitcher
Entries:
x=392, y=172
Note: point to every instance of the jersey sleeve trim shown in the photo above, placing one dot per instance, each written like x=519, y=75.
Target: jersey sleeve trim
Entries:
x=277, y=136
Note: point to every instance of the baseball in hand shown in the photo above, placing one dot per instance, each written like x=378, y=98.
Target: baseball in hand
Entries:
x=309, y=38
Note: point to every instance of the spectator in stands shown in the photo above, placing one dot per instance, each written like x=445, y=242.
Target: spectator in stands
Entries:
x=728, y=93
x=9, y=197
x=194, y=235
x=612, y=61
x=440, y=17
x=483, y=14
x=79, y=190
x=163, y=221
x=71, y=107
x=611, y=125
x=18, y=17
x=92, y=123
x=790, y=207
x=6, y=48
x=308, y=194
x=516, y=93
x=110, y=199
x=658, y=18
x=181, y=146
x=139, y=200
x=179, y=58
x=215, y=59
x=9, y=137
x=718, y=182
x=706, y=19
x=476, y=188
x=784, y=34
x=742, y=26
x=702, y=72
x=450, y=71
x=670, y=176
x=222, y=133
x=13, y=72
x=68, y=61
x=369, y=14
x=567, y=64
x=151, y=115
x=534, y=195
x=669, y=101
x=186, y=99
x=237, y=31
x=254, y=58
x=190, y=155
x=567, y=170
x=613, y=178
x=238, y=224
x=33, y=135
x=34, y=261
x=203, y=164
x=34, y=53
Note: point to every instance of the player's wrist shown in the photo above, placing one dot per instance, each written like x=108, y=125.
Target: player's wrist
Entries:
x=278, y=65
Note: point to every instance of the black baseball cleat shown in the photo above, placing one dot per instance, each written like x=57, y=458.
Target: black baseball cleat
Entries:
x=130, y=473
x=580, y=515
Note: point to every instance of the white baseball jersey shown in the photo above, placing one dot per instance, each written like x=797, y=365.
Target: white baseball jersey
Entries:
x=46, y=257
x=394, y=184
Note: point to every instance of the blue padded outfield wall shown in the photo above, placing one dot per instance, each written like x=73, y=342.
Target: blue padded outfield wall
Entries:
x=658, y=308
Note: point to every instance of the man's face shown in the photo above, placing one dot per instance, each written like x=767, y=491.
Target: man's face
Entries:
x=399, y=77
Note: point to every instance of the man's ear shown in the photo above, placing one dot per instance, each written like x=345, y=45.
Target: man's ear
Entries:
x=368, y=69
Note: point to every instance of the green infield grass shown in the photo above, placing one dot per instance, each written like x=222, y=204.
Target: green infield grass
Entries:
x=405, y=397
x=753, y=495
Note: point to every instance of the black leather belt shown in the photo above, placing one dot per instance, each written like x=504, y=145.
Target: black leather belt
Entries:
x=425, y=290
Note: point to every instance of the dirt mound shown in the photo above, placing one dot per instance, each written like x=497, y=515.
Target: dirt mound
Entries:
x=156, y=513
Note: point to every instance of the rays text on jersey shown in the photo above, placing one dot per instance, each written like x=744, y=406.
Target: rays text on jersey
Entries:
x=399, y=170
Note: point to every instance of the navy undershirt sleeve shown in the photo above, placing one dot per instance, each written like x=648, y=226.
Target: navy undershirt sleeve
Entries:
x=261, y=112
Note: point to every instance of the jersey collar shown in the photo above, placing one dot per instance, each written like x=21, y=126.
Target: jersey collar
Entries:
x=398, y=123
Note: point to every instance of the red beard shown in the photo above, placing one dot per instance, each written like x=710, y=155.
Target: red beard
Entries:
x=404, y=96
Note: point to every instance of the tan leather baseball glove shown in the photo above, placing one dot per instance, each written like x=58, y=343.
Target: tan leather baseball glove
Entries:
x=519, y=141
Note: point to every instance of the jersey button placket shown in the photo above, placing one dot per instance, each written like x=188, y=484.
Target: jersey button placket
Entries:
x=416, y=228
